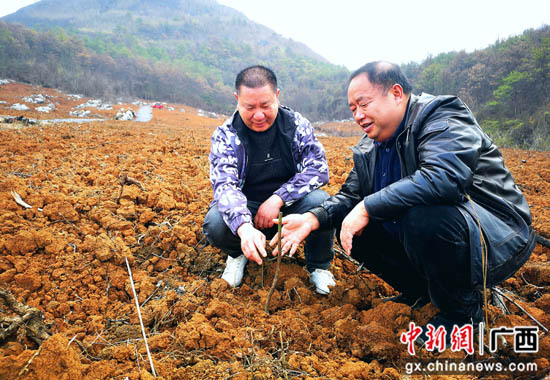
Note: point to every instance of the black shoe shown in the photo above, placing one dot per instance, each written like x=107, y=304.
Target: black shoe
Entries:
x=415, y=302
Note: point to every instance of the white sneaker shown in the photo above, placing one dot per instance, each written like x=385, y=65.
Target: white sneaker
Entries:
x=234, y=270
x=322, y=279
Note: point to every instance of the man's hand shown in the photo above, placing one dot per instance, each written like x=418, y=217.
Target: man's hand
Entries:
x=252, y=242
x=353, y=224
x=268, y=211
x=296, y=228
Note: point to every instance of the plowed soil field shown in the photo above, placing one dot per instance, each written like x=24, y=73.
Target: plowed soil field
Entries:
x=103, y=192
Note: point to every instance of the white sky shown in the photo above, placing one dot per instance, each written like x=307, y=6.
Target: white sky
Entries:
x=10, y=6
x=353, y=32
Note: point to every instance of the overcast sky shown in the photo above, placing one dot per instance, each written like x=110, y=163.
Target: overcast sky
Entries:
x=353, y=32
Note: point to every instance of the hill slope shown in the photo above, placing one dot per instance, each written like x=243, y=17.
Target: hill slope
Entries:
x=163, y=23
x=189, y=52
x=207, y=42
x=507, y=85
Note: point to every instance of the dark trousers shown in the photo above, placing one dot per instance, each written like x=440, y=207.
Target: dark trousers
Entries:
x=318, y=248
x=430, y=257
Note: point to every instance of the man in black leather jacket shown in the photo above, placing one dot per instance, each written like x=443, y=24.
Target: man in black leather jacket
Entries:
x=426, y=181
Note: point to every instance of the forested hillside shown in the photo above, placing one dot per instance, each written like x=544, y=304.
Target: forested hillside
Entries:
x=190, y=51
x=186, y=51
x=56, y=59
x=507, y=85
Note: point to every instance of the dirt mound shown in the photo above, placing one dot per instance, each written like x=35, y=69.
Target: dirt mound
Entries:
x=65, y=257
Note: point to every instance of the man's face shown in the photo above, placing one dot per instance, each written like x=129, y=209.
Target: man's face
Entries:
x=376, y=111
x=258, y=107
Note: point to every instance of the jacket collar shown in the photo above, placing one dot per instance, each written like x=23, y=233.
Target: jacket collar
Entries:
x=287, y=127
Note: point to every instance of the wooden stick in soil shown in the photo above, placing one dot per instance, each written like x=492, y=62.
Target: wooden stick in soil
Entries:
x=499, y=291
x=123, y=179
x=279, y=256
x=140, y=320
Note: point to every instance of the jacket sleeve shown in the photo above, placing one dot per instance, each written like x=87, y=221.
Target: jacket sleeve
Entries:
x=332, y=212
x=312, y=167
x=448, y=151
x=224, y=177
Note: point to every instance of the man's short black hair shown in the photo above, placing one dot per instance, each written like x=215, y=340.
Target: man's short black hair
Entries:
x=384, y=74
x=256, y=76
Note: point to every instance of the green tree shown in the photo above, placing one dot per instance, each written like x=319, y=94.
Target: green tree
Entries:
x=510, y=95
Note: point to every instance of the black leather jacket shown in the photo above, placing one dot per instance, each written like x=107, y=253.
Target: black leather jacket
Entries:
x=445, y=157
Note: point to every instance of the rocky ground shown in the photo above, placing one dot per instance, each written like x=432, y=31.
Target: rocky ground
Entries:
x=105, y=191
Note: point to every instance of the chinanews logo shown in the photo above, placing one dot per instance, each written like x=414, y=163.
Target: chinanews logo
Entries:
x=461, y=338
x=526, y=338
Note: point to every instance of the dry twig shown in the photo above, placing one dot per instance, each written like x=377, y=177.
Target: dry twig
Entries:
x=27, y=317
x=26, y=367
x=123, y=179
x=499, y=291
x=18, y=200
x=157, y=287
x=345, y=256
